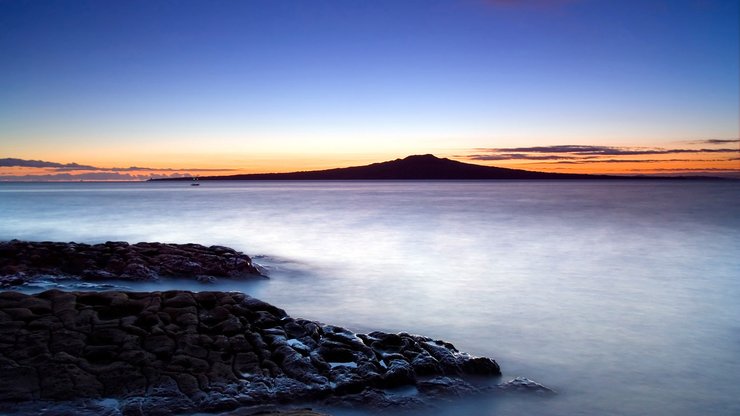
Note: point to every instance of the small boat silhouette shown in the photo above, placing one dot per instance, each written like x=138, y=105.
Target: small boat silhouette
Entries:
x=195, y=182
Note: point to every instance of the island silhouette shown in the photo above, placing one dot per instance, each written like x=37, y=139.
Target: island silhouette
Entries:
x=420, y=167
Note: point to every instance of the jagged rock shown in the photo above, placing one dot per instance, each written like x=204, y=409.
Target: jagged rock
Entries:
x=10, y=278
x=22, y=262
x=176, y=351
x=445, y=386
x=399, y=373
x=524, y=385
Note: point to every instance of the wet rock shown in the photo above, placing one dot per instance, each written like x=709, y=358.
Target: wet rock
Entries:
x=481, y=365
x=22, y=262
x=218, y=403
x=446, y=386
x=424, y=364
x=176, y=351
x=377, y=399
x=524, y=385
x=13, y=279
x=399, y=373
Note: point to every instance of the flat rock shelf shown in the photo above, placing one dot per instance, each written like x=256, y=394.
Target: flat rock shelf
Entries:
x=22, y=262
x=177, y=351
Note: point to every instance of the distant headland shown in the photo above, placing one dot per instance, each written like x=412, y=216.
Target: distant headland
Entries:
x=421, y=167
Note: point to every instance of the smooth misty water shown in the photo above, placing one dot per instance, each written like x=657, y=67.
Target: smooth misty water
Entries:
x=623, y=296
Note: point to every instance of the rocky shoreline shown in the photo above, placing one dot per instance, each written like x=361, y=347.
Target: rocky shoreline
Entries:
x=207, y=351
x=22, y=262
x=172, y=352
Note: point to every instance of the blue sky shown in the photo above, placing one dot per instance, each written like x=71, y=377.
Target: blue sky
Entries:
x=253, y=83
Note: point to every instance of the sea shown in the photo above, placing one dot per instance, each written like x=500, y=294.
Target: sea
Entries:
x=623, y=296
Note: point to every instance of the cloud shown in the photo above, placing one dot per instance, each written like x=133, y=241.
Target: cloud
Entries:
x=61, y=167
x=15, y=169
x=716, y=141
x=582, y=155
x=140, y=169
x=578, y=154
x=713, y=172
x=686, y=170
x=639, y=161
x=587, y=150
x=13, y=162
x=513, y=156
x=93, y=176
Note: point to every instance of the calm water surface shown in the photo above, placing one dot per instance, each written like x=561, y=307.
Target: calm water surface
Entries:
x=623, y=296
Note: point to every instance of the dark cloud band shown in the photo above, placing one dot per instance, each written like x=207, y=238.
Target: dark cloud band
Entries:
x=717, y=141
x=61, y=167
x=586, y=150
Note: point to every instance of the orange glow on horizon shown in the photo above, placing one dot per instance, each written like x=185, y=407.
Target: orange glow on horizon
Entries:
x=702, y=157
x=221, y=165
x=629, y=168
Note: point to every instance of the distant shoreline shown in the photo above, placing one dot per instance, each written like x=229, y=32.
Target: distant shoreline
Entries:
x=219, y=179
x=425, y=167
x=590, y=178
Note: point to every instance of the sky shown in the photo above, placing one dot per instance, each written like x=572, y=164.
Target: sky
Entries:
x=137, y=89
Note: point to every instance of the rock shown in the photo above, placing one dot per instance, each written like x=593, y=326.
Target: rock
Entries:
x=23, y=262
x=376, y=399
x=263, y=411
x=219, y=403
x=160, y=345
x=64, y=340
x=399, y=373
x=481, y=365
x=64, y=381
x=446, y=355
x=18, y=383
x=524, y=385
x=180, y=300
x=13, y=279
x=177, y=351
x=446, y=386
